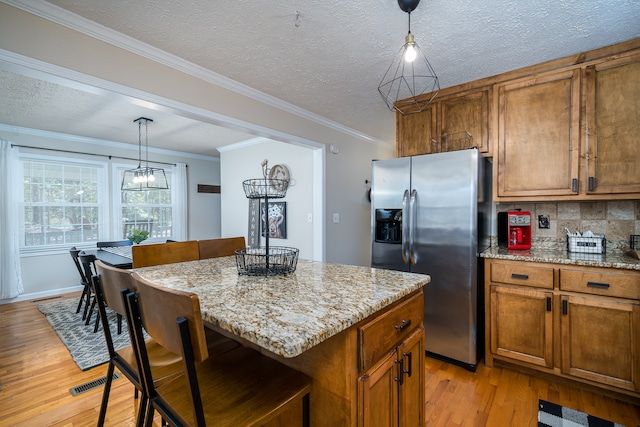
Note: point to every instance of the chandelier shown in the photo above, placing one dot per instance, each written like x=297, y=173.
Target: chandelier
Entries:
x=144, y=178
x=410, y=76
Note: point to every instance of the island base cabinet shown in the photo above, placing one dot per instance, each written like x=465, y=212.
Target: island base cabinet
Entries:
x=601, y=341
x=522, y=324
x=392, y=390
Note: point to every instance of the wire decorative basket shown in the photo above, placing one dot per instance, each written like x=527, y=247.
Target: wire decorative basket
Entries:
x=263, y=261
x=452, y=142
x=259, y=188
x=587, y=245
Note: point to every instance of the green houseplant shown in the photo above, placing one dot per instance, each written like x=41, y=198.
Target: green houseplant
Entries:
x=137, y=235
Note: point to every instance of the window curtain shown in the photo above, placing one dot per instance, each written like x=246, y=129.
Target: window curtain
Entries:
x=10, y=276
x=179, y=201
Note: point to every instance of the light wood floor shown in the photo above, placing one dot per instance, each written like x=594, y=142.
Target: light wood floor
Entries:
x=36, y=373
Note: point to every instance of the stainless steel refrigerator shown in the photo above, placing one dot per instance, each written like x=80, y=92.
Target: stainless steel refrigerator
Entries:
x=431, y=214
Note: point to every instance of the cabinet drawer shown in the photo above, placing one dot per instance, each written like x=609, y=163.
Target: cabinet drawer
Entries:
x=383, y=333
x=612, y=284
x=515, y=274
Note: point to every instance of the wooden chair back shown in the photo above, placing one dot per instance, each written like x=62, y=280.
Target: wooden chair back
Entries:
x=159, y=307
x=112, y=282
x=214, y=248
x=114, y=244
x=164, y=253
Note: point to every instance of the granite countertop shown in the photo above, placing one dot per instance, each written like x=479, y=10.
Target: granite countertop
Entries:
x=616, y=259
x=286, y=315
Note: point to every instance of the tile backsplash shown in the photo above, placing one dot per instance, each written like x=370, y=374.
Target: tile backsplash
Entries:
x=617, y=220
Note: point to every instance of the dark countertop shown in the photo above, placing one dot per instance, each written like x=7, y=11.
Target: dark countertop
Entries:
x=615, y=259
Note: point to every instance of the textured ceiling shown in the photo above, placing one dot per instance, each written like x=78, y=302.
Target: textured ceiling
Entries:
x=331, y=62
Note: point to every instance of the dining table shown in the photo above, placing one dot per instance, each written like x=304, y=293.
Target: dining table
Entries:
x=306, y=319
x=118, y=257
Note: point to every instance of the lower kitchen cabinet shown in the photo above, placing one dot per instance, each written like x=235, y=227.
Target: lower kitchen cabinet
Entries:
x=600, y=340
x=575, y=322
x=392, y=390
x=522, y=324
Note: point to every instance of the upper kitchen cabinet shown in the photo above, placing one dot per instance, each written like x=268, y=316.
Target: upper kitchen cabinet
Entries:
x=571, y=134
x=416, y=133
x=539, y=136
x=441, y=126
x=612, y=126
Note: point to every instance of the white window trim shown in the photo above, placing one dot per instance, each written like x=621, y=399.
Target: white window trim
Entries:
x=103, y=171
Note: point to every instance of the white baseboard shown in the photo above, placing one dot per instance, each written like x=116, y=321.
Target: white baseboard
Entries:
x=35, y=296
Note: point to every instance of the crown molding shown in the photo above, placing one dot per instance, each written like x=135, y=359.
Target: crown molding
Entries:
x=85, y=26
x=102, y=142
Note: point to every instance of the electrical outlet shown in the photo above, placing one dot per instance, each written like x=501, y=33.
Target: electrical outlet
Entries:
x=336, y=218
x=543, y=221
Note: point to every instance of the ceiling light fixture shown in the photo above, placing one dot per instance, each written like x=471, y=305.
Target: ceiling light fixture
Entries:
x=410, y=76
x=144, y=178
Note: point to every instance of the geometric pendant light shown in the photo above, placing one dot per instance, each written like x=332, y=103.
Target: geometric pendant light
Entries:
x=410, y=75
x=144, y=178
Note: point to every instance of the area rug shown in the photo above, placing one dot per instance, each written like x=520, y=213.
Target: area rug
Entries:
x=552, y=415
x=88, y=349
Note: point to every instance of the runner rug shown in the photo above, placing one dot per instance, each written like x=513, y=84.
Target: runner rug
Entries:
x=88, y=349
x=552, y=415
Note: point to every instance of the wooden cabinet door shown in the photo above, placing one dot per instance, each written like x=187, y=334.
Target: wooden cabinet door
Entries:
x=392, y=391
x=411, y=392
x=522, y=324
x=416, y=133
x=601, y=340
x=613, y=126
x=466, y=112
x=378, y=394
x=538, y=136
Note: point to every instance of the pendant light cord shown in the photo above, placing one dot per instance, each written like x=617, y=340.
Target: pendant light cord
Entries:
x=140, y=145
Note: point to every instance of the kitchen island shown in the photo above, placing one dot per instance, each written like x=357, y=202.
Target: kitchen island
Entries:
x=336, y=323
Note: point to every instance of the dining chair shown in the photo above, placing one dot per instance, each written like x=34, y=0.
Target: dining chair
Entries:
x=214, y=248
x=241, y=387
x=86, y=284
x=114, y=244
x=111, y=285
x=164, y=253
x=88, y=265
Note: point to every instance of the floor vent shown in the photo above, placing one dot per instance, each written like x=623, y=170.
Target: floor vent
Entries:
x=99, y=382
x=46, y=299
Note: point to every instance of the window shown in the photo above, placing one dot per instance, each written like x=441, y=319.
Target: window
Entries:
x=67, y=202
x=146, y=210
x=62, y=204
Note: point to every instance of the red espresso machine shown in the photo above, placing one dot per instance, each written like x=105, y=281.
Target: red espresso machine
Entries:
x=514, y=230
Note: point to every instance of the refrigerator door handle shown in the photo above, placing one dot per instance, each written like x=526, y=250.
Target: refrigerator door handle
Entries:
x=413, y=220
x=405, y=227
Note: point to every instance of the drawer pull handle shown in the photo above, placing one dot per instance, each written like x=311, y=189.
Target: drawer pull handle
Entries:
x=565, y=307
x=405, y=324
x=574, y=185
x=400, y=378
x=592, y=183
x=548, y=303
x=409, y=359
x=598, y=285
x=520, y=276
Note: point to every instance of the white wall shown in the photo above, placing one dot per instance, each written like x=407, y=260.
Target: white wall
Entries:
x=46, y=274
x=244, y=162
